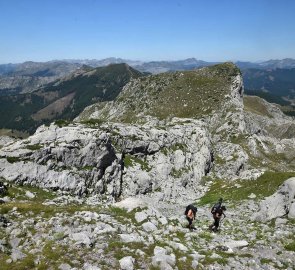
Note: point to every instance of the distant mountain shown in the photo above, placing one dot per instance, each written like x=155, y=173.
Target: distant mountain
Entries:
x=29, y=76
x=279, y=82
x=7, y=68
x=274, y=85
x=284, y=63
x=156, y=67
x=64, y=98
x=270, y=64
x=104, y=62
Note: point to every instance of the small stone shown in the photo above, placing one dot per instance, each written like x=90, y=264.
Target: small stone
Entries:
x=236, y=244
x=149, y=226
x=291, y=213
x=82, y=238
x=280, y=221
x=140, y=216
x=126, y=263
x=30, y=194
x=252, y=196
x=128, y=238
x=65, y=266
x=16, y=255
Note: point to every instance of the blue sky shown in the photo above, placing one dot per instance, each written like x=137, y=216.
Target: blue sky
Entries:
x=211, y=30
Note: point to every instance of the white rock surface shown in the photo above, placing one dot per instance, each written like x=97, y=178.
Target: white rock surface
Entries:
x=236, y=244
x=279, y=204
x=126, y=263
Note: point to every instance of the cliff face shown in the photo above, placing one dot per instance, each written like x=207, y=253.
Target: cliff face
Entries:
x=168, y=157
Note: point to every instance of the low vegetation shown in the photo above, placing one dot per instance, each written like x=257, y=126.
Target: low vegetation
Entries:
x=239, y=190
x=181, y=94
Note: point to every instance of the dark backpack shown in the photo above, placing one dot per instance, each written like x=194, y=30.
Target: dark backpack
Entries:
x=191, y=207
x=216, y=208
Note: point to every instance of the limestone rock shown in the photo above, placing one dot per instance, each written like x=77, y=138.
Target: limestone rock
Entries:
x=126, y=263
x=279, y=204
x=236, y=244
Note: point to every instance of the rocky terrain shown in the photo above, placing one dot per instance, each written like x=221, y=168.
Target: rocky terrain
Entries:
x=108, y=191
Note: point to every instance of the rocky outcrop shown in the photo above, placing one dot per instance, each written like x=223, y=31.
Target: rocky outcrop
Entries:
x=114, y=160
x=280, y=204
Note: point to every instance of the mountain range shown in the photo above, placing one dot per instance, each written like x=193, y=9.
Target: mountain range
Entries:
x=33, y=93
x=64, y=98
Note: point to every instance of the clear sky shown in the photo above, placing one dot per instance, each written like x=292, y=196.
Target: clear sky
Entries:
x=211, y=30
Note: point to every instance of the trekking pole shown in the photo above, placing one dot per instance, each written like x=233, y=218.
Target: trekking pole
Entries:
x=221, y=222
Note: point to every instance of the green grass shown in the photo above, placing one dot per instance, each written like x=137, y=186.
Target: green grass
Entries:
x=34, y=205
x=34, y=146
x=123, y=215
x=62, y=122
x=13, y=159
x=92, y=122
x=26, y=263
x=206, y=235
x=130, y=161
x=255, y=105
x=184, y=94
x=265, y=260
x=264, y=186
x=290, y=246
x=15, y=191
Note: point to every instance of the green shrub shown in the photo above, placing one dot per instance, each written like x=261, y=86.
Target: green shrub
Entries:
x=62, y=123
x=34, y=146
x=13, y=159
x=290, y=246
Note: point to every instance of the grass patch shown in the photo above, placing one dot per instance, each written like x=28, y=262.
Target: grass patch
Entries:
x=206, y=235
x=62, y=123
x=130, y=161
x=20, y=191
x=34, y=146
x=290, y=246
x=256, y=105
x=264, y=186
x=13, y=159
x=26, y=263
x=179, y=146
x=92, y=122
x=265, y=260
x=184, y=94
x=123, y=215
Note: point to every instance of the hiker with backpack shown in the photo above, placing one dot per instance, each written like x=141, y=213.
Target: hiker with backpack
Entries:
x=217, y=211
x=190, y=213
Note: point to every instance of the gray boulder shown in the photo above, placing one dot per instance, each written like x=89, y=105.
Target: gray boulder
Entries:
x=126, y=263
x=279, y=204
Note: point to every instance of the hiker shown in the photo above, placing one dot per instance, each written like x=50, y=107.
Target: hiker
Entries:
x=216, y=206
x=190, y=213
x=217, y=214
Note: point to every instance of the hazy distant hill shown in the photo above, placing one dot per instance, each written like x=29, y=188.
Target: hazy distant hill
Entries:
x=64, y=98
x=156, y=67
x=29, y=76
x=278, y=82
